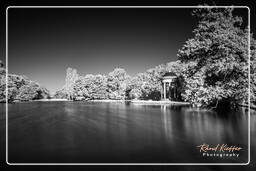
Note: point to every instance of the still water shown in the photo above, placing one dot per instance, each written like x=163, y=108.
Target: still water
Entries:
x=89, y=132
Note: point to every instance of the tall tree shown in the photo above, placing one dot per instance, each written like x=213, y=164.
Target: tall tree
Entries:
x=253, y=71
x=71, y=77
x=220, y=50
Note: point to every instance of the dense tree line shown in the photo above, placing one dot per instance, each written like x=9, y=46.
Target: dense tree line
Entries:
x=117, y=85
x=213, y=67
x=20, y=88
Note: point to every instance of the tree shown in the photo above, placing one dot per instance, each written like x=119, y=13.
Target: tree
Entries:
x=253, y=71
x=42, y=93
x=28, y=92
x=32, y=91
x=145, y=85
x=2, y=84
x=219, y=50
x=20, y=88
x=117, y=81
x=98, y=87
x=80, y=87
x=71, y=77
x=91, y=87
x=135, y=93
x=60, y=94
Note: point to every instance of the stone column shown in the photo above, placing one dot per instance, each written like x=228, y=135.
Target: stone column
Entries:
x=171, y=90
x=161, y=92
x=164, y=91
x=174, y=92
x=168, y=90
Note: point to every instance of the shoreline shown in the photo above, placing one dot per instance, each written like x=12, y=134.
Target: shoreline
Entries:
x=108, y=100
x=135, y=102
x=142, y=102
x=48, y=100
x=130, y=101
x=53, y=100
x=161, y=102
x=139, y=102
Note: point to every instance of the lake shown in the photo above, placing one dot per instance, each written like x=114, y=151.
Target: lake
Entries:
x=98, y=132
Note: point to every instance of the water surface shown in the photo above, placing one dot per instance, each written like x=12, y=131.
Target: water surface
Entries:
x=88, y=132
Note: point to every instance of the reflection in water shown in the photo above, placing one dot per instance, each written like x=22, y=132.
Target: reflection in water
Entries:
x=119, y=132
x=166, y=119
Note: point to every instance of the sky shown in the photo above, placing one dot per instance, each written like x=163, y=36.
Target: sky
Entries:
x=43, y=43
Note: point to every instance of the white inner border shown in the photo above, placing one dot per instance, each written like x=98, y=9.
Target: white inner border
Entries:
x=9, y=7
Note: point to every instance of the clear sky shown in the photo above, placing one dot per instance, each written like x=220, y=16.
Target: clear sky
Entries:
x=44, y=42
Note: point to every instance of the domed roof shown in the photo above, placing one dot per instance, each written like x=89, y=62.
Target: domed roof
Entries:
x=169, y=74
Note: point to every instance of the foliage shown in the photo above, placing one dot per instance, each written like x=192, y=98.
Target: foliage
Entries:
x=117, y=85
x=135, y=93
x=60, y=94
x=98, y=87
x=219, y=49
x=20, y=88
x=117, y=81
x=71, y=77
x=148, y=85
x=91, y=87
x=253, y=71
x=80, y=87
x=176, y=67
x=28, y=92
